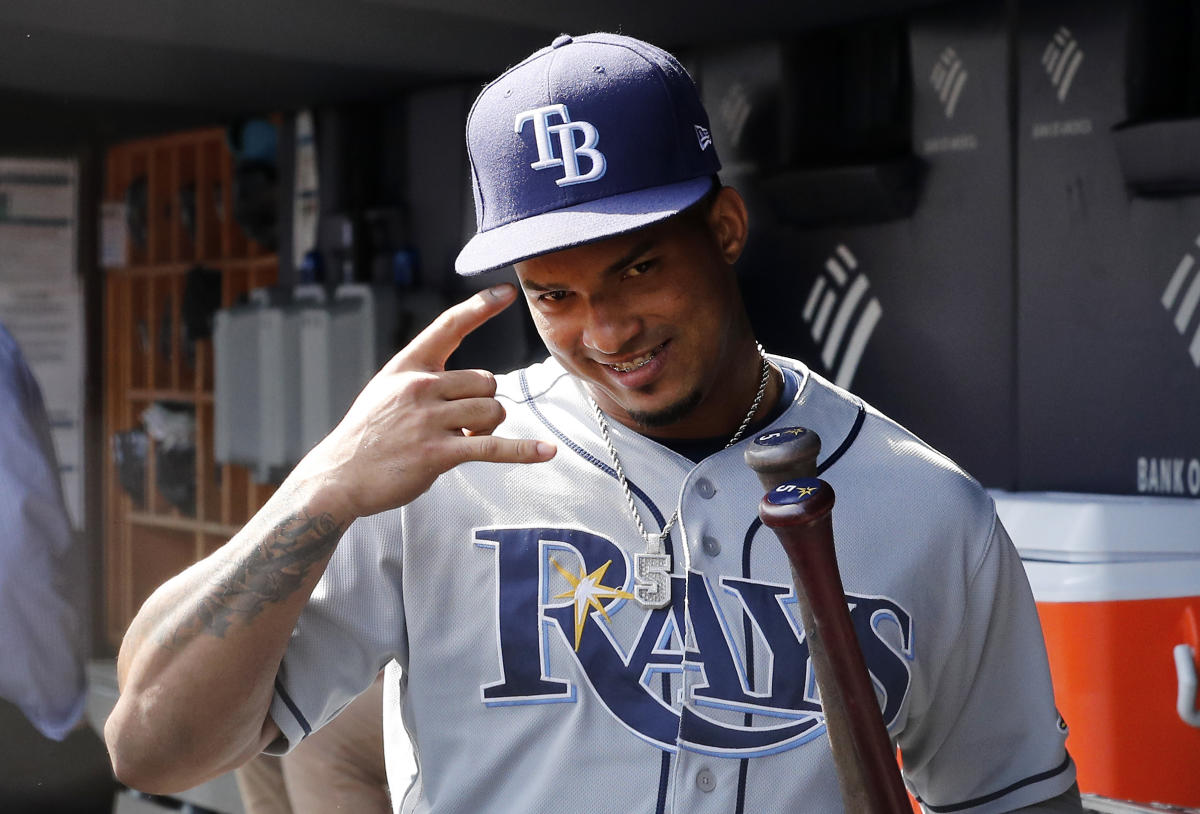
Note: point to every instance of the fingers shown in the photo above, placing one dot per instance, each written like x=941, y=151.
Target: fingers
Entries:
x=464, y=384
x=430, y=349
x=479, y=416
x=493, y=449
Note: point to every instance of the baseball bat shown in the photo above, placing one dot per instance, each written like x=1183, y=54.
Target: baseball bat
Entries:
x=798, y=508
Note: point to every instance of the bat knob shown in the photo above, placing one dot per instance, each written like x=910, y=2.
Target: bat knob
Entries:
x=783, y=454
x=799, y=502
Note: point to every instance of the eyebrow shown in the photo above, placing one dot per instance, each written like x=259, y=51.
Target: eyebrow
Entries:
x=619, y=264
x=530, y=285
x=633, y=254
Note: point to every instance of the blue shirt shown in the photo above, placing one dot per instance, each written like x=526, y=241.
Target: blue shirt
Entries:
x=44, y=589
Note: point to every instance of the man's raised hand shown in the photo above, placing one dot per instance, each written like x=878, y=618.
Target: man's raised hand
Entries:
x=415, y=420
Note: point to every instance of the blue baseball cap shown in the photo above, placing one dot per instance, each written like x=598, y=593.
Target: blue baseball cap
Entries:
x=591, y=137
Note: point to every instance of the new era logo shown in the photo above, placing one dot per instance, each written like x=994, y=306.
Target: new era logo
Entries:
x=703, y=136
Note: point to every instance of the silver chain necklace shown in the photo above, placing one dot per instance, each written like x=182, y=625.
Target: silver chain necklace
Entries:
x=652, y=568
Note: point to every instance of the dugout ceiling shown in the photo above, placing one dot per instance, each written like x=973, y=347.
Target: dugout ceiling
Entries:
x=982, y=216
x=234, y=56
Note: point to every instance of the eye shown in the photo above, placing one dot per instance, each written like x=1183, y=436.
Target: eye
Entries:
x=557, y=295
x=639, y=269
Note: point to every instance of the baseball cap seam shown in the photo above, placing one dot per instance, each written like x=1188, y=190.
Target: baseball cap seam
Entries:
x=481, y=215
x=476, y=186
x=563, y=197
x=660, y=76
x=661, y=79
x=675, y=163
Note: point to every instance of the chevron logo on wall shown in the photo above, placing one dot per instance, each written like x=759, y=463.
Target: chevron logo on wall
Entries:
x=836, y=315
x=948, y=77
x=1061, y=59
x=1184, y=308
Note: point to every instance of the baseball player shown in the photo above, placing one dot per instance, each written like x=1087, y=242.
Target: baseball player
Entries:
x=562, y=567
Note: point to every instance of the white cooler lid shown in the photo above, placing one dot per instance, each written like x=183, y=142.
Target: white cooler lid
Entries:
x=1083, y=528
x=1113, y=581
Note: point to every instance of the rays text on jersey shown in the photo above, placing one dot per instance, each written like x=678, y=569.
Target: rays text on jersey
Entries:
x=726, y=673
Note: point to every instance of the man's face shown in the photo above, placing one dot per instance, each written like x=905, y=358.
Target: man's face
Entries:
x=652, y=322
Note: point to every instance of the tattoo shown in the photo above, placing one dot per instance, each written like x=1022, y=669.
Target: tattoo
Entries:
x=274, y=571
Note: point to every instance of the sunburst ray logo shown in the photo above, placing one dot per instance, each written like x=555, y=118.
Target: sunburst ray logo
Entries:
x=587, y=590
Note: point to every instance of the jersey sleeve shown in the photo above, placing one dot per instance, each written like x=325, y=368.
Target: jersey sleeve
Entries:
x=993, y=740
x=352, y=626
x=43, y=578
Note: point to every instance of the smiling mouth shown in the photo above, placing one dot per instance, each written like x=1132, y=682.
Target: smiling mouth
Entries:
x=639, y=362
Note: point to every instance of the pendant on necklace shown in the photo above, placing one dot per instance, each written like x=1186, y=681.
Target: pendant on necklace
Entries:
x=652, y=569
x=652, y=580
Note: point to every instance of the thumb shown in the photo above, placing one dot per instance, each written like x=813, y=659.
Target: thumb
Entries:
x=430, y=349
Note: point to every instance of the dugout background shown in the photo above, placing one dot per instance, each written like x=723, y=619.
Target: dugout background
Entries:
x=983, y=216
x=1001, y=199
x=970, y=213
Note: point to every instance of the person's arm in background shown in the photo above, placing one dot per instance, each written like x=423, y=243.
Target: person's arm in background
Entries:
x=44, y=588
x=198, y=663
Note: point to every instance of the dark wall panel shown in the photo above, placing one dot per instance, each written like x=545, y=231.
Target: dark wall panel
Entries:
x=891, y=271
x=1109, y=390
x=442, y=210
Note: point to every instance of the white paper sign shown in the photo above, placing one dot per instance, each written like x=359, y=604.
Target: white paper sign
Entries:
x=37, y=219
x=41, y=299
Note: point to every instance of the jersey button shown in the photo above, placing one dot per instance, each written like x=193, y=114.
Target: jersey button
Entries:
x=705, y=488
x=706, y=781
x=711, y=546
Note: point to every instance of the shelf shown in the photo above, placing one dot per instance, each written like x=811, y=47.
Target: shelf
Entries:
x=264, y=261
x=174, y=523
x=148, y=358
x=1159, y=158
x=168, y=394
x=848, y=195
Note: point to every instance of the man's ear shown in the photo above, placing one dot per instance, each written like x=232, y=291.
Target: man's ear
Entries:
x=729, y=222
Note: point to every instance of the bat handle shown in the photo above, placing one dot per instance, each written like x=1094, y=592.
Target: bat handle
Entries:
x=783, y=454
x=799, y=512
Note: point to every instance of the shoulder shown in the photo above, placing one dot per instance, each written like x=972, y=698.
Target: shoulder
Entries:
x=930, y=477
x=542, y=394
x=531, y=383
x=868, y=455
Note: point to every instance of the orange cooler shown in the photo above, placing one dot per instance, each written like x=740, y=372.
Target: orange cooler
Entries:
x=1117, y=584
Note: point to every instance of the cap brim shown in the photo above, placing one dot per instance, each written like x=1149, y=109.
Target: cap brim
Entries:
x=576, y=225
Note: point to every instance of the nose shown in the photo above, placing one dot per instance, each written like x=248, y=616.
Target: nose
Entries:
x=611, y=326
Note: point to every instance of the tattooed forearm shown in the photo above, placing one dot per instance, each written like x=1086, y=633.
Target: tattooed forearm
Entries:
x=274, y=571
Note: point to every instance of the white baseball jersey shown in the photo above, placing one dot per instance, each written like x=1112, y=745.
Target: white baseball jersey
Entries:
x=528, y=683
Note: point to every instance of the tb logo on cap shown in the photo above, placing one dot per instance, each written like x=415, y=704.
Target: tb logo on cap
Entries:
x=570, y=151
